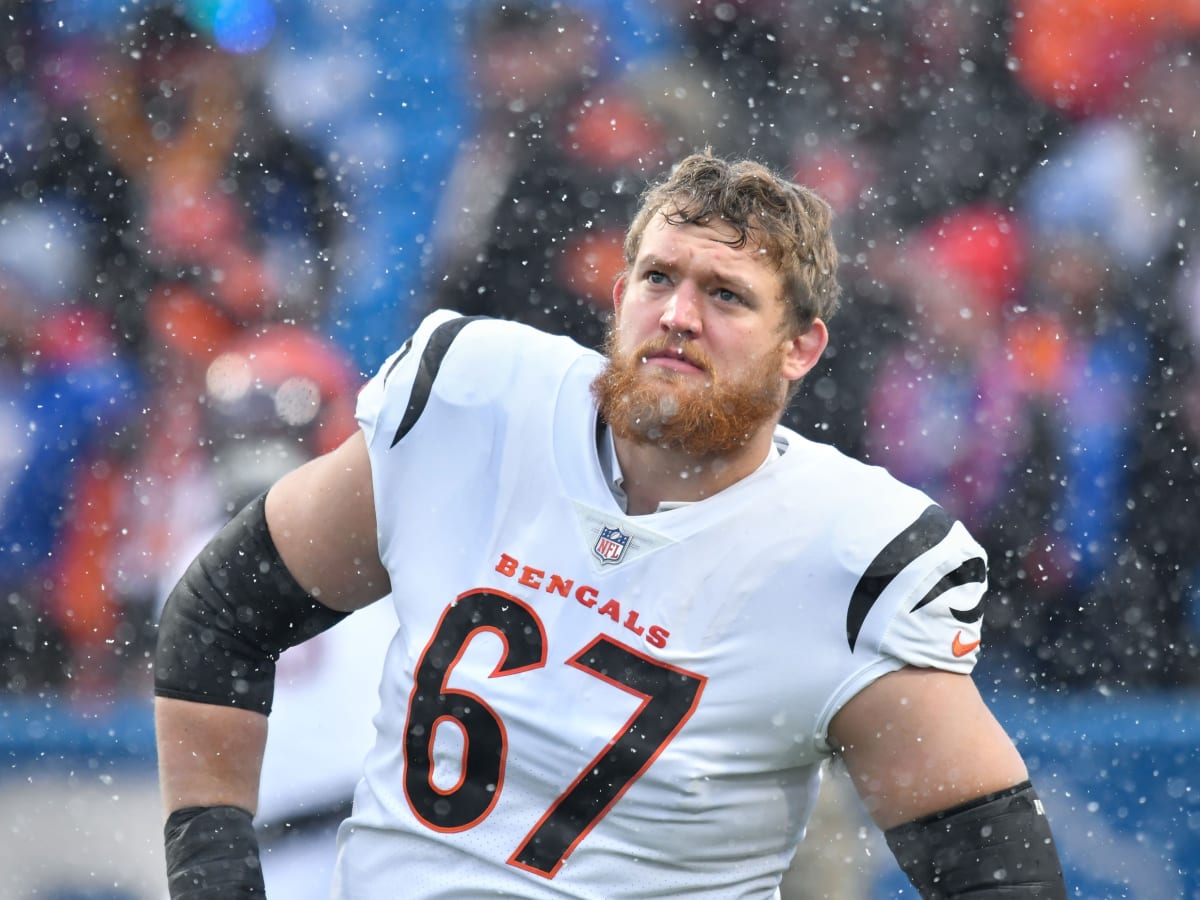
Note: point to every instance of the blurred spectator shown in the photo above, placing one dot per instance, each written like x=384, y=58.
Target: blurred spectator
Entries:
x=193, y=215
x=908, y=111
x=23, y=114
x=726, y=77
x=1080, y=56
x=1164, y=106
x=64, y=394
x=271, y=398
x=1165, y=103
x=911, y=109
x=167, y=138
x=552, y=138
x=1090, y=572
x=1169, y=485
x=1037, y=397
x=944, y=409
x=232, y=224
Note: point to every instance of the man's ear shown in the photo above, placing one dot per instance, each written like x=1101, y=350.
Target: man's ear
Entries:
x=619, y=290
x=804, y=350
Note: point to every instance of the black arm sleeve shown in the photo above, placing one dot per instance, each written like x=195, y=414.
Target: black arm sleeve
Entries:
x=234, y=611
x=212, y=854
x=998, y=847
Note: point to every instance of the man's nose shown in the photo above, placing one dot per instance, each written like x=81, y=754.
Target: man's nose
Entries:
x=682, y=312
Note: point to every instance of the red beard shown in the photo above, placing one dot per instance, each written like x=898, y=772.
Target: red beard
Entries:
x=700, y=417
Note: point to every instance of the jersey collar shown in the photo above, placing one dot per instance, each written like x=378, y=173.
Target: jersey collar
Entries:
x=611, y=467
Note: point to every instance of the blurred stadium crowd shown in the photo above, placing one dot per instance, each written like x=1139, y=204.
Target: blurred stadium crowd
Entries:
x=1017, y=185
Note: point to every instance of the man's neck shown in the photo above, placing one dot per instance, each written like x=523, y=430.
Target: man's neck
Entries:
x=653, y=475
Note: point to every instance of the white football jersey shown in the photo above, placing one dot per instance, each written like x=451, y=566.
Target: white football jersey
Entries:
x=582, y=703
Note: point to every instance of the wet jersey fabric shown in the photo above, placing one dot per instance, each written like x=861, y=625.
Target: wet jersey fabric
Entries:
x=581, y=703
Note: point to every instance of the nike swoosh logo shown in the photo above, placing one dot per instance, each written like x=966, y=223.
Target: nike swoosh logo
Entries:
x=958, y=648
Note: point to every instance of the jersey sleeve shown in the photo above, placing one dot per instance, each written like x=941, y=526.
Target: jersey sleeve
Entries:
x=920, y=598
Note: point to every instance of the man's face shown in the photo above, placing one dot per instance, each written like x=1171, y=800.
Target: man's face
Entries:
x=699, y=355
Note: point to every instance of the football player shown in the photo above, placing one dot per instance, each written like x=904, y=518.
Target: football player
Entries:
x=636, y=615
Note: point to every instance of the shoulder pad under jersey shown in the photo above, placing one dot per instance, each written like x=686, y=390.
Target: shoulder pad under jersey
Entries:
x=463, y=360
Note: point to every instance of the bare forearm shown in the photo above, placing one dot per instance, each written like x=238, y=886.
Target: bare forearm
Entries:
x=208, y=755
x=209, y=761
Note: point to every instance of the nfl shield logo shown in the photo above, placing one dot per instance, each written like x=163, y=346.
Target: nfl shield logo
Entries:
x=610, y=545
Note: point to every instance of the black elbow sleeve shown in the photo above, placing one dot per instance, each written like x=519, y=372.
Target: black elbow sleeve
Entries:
x=227, y=620
x=998, y=846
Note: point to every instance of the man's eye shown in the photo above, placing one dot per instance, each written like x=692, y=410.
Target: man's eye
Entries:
x=656, y=277
x=728, y=296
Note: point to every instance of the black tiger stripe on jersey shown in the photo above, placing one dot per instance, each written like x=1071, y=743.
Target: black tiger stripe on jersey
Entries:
x=968, y=616
x=407, y=346
x=924, y=534
x=431, y=360
x=972, y=571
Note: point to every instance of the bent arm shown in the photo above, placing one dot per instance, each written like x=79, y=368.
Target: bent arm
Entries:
x=939, y=774
x=321, y=518
x=922, y=740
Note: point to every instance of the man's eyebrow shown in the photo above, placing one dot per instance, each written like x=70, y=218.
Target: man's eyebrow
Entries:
x=727, y=277
x=741, y=283
x=717, y=274
x=655, y=262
